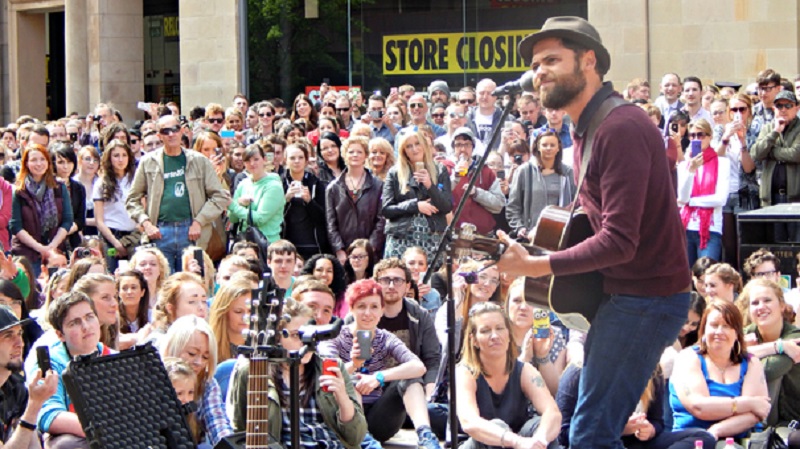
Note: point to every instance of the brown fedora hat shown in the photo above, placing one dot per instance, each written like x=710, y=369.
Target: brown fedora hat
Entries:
x=576, y=29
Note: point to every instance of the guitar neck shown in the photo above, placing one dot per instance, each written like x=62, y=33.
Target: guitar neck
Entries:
x=257, y=428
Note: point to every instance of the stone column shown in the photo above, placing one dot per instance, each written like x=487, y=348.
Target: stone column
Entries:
x=27, y=64
x=77, y=56
x=209, y=44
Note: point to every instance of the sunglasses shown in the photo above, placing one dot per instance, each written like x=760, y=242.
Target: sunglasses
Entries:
x=457, y=115
x=342, y=109
x=416, y=105
x=784, y=105
x=134, y=142
x=466, y=101
x=216, y=120
x=169, y=131
x=697, y=135
x=265, y=114
x=740, y=109
x=437, y=115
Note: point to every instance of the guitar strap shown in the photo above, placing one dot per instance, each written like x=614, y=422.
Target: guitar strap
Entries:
x=608, y=105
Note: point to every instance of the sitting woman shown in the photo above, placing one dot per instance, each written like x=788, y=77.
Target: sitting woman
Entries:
x=183, y=294
x=191, y=339
x=360, y=262
x=150, y=261
x=387, y=393
x=332, y=411
x=496, y=391
x=548, y=354
x=227, y=316
x=645, y=428
x=133, y=308
x=773, y=339
x=722, y=281
x=327, y=268
x=717, y=385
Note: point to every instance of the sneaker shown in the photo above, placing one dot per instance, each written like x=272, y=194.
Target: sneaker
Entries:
x=427, y=439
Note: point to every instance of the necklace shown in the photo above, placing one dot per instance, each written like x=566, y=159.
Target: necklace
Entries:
x=355, y=187
x=721, y=369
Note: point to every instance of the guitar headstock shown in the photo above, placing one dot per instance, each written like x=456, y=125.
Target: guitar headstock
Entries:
x=266, y=311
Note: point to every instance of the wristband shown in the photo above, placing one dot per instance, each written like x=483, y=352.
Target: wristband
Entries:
x=502, y=438
x=541, y=360
x=26, y=425
x=725, y=141
x=780, y=346
x=379, y=376
x=733, y=407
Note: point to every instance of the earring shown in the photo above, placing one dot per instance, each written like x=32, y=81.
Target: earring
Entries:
x=738, y=351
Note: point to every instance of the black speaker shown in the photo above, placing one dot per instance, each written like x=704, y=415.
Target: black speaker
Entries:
x=757, y=230
x=237, y=441
x=126, y=400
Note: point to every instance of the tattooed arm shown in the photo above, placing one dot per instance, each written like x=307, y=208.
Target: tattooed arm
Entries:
x=535, y=388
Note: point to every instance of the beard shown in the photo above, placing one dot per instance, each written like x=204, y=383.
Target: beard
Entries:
x=565, y=89
x=14, y=366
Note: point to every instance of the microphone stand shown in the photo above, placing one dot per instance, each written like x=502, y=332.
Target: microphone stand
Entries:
x=294, y=358
x=445, y=245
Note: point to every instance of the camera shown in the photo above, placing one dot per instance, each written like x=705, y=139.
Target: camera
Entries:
x=73, y=137
x=518, y=159
x=96, y=118
x=673, y=127
x=82, y=252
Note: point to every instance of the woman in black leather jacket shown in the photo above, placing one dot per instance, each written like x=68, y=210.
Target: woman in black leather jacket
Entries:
x=416, y=197
x=304, y=214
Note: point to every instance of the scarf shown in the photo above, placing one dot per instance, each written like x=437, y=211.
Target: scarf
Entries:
x=704, y=184
x=44, y=202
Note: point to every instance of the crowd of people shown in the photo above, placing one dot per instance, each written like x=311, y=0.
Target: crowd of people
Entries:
x=159, y=233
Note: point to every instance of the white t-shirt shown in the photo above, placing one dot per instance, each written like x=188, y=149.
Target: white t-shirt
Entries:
x=483, y=123
x=114, y=213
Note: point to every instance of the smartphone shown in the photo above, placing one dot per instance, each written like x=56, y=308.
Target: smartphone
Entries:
x=375, y=115
x=270, y=157
x=365, y=344
x=73, y=137
x=123, y=265
x=327, y=364
x=43, y=358
x=541, y=323
x=696, y=148
x=198, y=256
x=392, y=90
x=419, y=166
x=227, y=134
x=737, y=116
x=142, y=106
x=218, y=151
x=501, y=174
x=51, y=271
x=673, y=127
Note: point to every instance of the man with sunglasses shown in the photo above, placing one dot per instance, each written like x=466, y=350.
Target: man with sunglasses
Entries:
x=778, y=150
x=418, y=110
x=380, y=123
x=183, y=193
x=345, y=110
x=215, y=117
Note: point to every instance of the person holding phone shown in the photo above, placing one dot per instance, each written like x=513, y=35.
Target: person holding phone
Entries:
x=703, y=180
x=366, y=351
x=334, y=414
x=542, y=181
x=353, y=202
x=260, y=195
x=416, y=200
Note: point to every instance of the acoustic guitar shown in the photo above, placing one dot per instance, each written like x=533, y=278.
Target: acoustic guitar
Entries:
x=574, y=298
x=266, y=310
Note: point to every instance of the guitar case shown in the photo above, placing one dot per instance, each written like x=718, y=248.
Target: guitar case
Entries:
x=127, y=401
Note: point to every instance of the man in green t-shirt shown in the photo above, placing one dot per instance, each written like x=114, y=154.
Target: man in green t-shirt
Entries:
x=181, y=191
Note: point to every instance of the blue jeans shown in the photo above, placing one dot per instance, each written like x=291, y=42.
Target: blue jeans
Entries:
x=174, y=239
x=622, y=349
x=713, y=248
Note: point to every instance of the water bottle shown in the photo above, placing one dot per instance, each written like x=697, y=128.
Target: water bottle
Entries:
x=729, y=443
x=698, y=444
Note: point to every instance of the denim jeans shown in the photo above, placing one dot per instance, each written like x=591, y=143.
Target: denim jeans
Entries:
x=713, y=248
x=174, y=239
x=622, y=349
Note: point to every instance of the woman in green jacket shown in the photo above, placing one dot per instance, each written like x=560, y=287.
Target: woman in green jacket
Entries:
x=261, y=192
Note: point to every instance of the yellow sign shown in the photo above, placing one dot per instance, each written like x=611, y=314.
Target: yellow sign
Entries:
x=428, y=54
x=171, y=27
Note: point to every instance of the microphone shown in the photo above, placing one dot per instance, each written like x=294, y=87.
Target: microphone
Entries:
x=524, y=83
x=314, y=334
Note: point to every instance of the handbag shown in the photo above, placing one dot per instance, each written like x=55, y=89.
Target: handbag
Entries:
x=254, y=235
x=216, y=247
x=768, y=439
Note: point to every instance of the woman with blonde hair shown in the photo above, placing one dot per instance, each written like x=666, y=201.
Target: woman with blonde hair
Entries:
x=416, y=197
x=381, y=157
x=150, y=261
x=182, y=294
x=190, y=338
x=101, y=289
x=227, y=316
x=210, y=145
x=722, y=281
x=703, y=180
x=489, y=365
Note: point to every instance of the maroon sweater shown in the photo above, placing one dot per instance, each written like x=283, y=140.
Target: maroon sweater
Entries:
x=639, y=243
